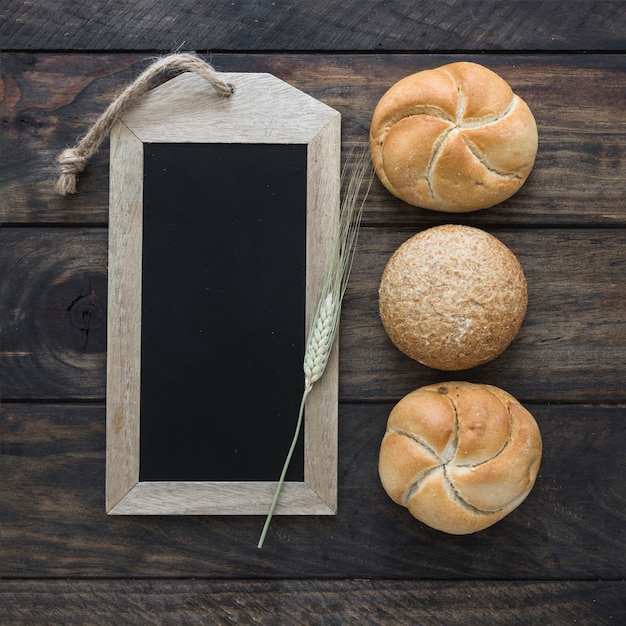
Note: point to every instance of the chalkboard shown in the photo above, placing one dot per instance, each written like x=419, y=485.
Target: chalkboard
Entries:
x=223, y=310
x=222, y=219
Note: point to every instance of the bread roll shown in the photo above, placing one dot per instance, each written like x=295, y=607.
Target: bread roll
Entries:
x=454, y=139
x=459, y=456
x=452, y=297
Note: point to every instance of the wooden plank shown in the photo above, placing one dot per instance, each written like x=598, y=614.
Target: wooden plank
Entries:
x=578, y=101
x=54, y=523
x=570, y=347
x=53, y=303
x=330, y=25
x=76, y=602
x=571, y=344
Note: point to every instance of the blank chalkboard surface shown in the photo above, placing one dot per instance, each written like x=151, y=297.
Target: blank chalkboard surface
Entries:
x=222, y=219
x=223, y=310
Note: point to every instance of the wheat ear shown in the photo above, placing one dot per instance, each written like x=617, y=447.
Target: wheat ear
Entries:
x=325, y=322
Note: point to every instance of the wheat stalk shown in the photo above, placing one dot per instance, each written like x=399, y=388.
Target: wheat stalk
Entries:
x=325, y=322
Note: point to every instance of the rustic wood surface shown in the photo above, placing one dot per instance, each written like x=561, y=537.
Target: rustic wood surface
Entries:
x=53, y=521
x=559, y=558
x=338, y=603
x=377, y=25
x=577, y=99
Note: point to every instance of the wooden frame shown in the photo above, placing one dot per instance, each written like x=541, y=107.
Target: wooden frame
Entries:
x=266, y=110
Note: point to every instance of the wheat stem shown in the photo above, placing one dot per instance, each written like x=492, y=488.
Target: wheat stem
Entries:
x=281, y=480
x=325, y=322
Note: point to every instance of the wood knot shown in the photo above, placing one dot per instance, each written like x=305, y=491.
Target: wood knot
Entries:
x=87, y=312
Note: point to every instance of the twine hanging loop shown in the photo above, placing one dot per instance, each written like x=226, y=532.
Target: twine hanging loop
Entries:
x=72, y=161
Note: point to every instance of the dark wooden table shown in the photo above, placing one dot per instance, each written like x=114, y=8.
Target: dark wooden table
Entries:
x=559, y=558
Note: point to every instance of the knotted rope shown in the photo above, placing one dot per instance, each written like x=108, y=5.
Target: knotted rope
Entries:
x=73, y=161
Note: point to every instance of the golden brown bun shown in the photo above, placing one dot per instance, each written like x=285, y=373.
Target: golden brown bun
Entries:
x=452, y=297
x=459, y=456
x=455, y=139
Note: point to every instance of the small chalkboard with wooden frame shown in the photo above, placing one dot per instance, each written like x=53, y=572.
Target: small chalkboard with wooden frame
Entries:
x=222, y=217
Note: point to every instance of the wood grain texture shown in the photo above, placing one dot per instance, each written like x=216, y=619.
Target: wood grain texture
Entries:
x=54, y=524
x=53, y=294
x=578, y=101
x=350, y=602
x=124, y=271
x=570, y=347
x=262, y=109
x=333, y=25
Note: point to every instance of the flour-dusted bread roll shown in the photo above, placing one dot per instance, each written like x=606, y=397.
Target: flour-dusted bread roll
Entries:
x=452, y=297
x=455, y=138
x=459, y=456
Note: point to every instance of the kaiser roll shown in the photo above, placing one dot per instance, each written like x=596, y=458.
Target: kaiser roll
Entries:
x=452, y=297
x=455, y=138
x=459, y=456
